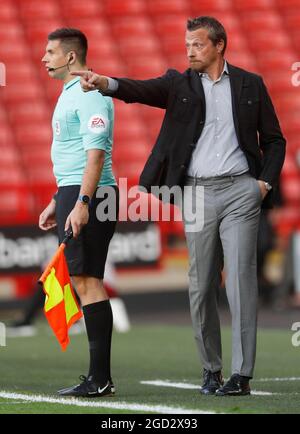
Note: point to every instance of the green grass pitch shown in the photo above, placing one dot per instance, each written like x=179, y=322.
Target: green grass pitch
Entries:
x=36, y=366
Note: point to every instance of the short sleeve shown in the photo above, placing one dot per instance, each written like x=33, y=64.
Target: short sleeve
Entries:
x=94, y=120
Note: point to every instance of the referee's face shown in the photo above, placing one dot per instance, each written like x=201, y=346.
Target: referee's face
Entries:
x=201, y=51
x=55, y=60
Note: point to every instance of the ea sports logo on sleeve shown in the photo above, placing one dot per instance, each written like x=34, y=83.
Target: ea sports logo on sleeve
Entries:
x=97, y=124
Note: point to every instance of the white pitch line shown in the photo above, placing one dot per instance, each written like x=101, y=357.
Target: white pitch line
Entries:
x=163, y=383
x=167, y=383
x=162, y=409
x=264, y=380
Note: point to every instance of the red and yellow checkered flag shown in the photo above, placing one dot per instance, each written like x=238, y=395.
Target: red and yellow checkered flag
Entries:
x=61, y=307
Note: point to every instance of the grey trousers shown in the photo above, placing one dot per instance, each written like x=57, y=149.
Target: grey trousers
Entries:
x=229, y=238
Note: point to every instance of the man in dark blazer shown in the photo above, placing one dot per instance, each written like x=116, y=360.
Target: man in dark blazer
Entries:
x=220, y=136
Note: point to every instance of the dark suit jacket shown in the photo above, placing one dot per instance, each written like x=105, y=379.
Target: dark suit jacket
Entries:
x=182, y=96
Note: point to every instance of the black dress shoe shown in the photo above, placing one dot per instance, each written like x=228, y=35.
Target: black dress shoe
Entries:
x=212, y=381
x=235, y=386
x=88, y=389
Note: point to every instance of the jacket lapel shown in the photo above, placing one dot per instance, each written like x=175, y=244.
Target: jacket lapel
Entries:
x=197, y=87
x=236, y=84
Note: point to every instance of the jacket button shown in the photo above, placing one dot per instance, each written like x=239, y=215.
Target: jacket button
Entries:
x=201, y=122
x=182, y=167
x=249, y=102
x=184, y=99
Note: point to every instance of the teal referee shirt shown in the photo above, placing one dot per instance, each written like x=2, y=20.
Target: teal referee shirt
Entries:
x=81, y=121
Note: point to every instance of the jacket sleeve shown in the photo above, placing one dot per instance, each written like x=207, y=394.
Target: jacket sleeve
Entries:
x=272, y=142
x=153, y=92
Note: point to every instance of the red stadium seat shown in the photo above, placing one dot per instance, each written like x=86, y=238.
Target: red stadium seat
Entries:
x=106, y=47
x=8, y=11
x=292, y=20
x=272, y=61
x=34, y=10
x=127, y=112
x=162, y=7
x=236, y=41
x=20, y=72
x=128, y=26
x=130, y=170
x=122, y=8
x=173, y=44
x=252, y=5
x=290, y=167
x=16, y=51
x=129, y=130
x=18, y=204
x=291, y=190
x=9, y=155
x=34, y=111
x=92, y=27
x=6, y=136
x=287, y=5
x=12, y=174
x=131, y=47
x=20, y=92
x=146, y=67
x=201, y=7
x=40, y=174
x=169, y=25
x=288, y=102
x=279, y=81
x=287, y=220
x=3, y=117
x=243, y=59
x=153, y=128
x=151, y=113
x=265, y=40
x=138, y=152
x=38, y=31
x=11, y=31
x=32, y=134
x=81, y=9
x=290, y=122
x=294, y=147
x=111, y=67
x=261, y=20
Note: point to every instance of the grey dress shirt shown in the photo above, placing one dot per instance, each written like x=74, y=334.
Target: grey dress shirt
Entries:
x=217, y=152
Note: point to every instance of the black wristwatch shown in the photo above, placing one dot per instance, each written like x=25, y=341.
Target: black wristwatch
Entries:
x=84, y=198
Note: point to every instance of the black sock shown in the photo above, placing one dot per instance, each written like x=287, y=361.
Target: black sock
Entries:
x=99, y=322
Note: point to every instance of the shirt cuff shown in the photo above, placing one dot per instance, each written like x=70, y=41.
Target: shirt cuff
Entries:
x=112, y=84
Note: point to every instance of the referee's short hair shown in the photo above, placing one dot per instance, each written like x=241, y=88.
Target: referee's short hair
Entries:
x=71, y=39
x=216, y=31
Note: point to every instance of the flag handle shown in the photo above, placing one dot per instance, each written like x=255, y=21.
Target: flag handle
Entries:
x=68, y=236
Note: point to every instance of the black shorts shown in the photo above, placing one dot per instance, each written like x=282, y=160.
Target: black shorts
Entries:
x=87, y=254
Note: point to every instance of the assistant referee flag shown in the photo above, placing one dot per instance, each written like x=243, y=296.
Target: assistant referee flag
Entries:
x=61, y=307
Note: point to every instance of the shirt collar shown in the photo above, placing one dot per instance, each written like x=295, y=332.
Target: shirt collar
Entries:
x=71, y=83
x=224, y=72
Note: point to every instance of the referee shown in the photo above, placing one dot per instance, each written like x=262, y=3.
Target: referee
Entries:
x=82, y=163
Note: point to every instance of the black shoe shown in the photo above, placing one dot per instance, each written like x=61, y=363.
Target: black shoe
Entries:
x=88, y=389
x=211, y=382
x=235, y=386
